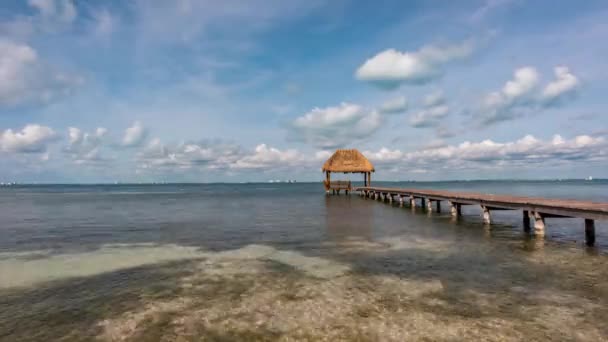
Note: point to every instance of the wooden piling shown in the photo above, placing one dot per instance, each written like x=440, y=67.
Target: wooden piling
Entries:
x=526, y=219
x=487, y=218
x=589, y=232
x=539, y=223
x=453, y=209
x=537, y=209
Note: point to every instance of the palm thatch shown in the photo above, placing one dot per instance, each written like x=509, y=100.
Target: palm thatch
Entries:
x=348, y=161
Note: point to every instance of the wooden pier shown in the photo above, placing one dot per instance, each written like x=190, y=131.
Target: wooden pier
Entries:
x=536, y=209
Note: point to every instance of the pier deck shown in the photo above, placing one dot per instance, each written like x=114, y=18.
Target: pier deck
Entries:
x=536, y=208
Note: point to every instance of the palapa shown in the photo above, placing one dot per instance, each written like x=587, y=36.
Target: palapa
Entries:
x=346, y=161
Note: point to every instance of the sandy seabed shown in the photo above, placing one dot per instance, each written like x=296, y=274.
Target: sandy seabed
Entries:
x=397, y=289
x=260, y=293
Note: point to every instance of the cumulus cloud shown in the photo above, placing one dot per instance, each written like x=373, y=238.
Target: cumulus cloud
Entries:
x=526, y=151
x=393, y=106
x=217, y=155
x=267, y=157
x=391, y=68
x=521, y=95
x=135, y=135
x=564, y=85
x=31, y=139
x=104, y=23
x=85, y=147
x=25, y=78
x=384, y=155
x=207, y=154
x=433, y=111
x=336, y=126
x=55, y=11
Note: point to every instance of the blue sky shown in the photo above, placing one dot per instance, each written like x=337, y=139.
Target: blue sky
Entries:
x=185, y=90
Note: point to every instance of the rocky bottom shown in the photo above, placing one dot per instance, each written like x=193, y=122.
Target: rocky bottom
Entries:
x=259, y=293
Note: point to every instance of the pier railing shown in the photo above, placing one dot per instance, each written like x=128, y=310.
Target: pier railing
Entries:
x=533, y=208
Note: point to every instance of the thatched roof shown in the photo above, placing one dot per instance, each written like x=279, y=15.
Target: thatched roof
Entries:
x=348, y=161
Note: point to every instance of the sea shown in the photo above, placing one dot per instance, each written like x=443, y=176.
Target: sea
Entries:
x=285, y=262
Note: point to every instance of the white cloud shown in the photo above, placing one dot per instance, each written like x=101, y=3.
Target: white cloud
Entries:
x=429, y=117
x=134, y=135
x=521, y=95
x=336, y=126
x=524, y=81
x=396, y=105
x=31, y=139
x=487, y=8
x=391, y=67
x=566, y=83
x=85, y=147
x=434, y=110
x=433, y=99
x=268, y=157
x=210, y=155
x=62, y=11
x=527, y=151
x=184, y=21
x=214, y=155
x=384, y=155
x=25, y=78
x=104, y=23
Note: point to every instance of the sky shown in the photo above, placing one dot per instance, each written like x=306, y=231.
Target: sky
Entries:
x=240, y=91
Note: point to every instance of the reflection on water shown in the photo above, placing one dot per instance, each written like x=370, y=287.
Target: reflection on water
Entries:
x=286, y=264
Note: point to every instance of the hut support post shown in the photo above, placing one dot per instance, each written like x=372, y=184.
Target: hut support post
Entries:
x=589, y=232
x=455, y=209
x=487, y=218
x=539, y=223
x=526, y=218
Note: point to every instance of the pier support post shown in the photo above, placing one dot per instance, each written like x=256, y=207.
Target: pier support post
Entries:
x=438, y=206
x=401, y=200
x=429, y=205
x=390, y=198
x=455, y=209
x=526, y=218
x=539, y=223
x=589, y=232
x=487, y=218
x=413, y=202
x=376, y=196
x=422, y=202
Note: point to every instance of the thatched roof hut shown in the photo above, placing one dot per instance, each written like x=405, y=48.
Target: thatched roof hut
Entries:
x=347, y=161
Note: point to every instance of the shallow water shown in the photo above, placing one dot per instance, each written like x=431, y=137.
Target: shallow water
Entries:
x=284, y=262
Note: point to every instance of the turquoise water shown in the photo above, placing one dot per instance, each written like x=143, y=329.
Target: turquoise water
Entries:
x=284, y=261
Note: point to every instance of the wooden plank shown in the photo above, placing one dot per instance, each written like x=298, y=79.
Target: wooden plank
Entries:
x=549, y=207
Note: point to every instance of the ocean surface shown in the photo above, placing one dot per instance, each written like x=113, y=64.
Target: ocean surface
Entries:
x=190, y=262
